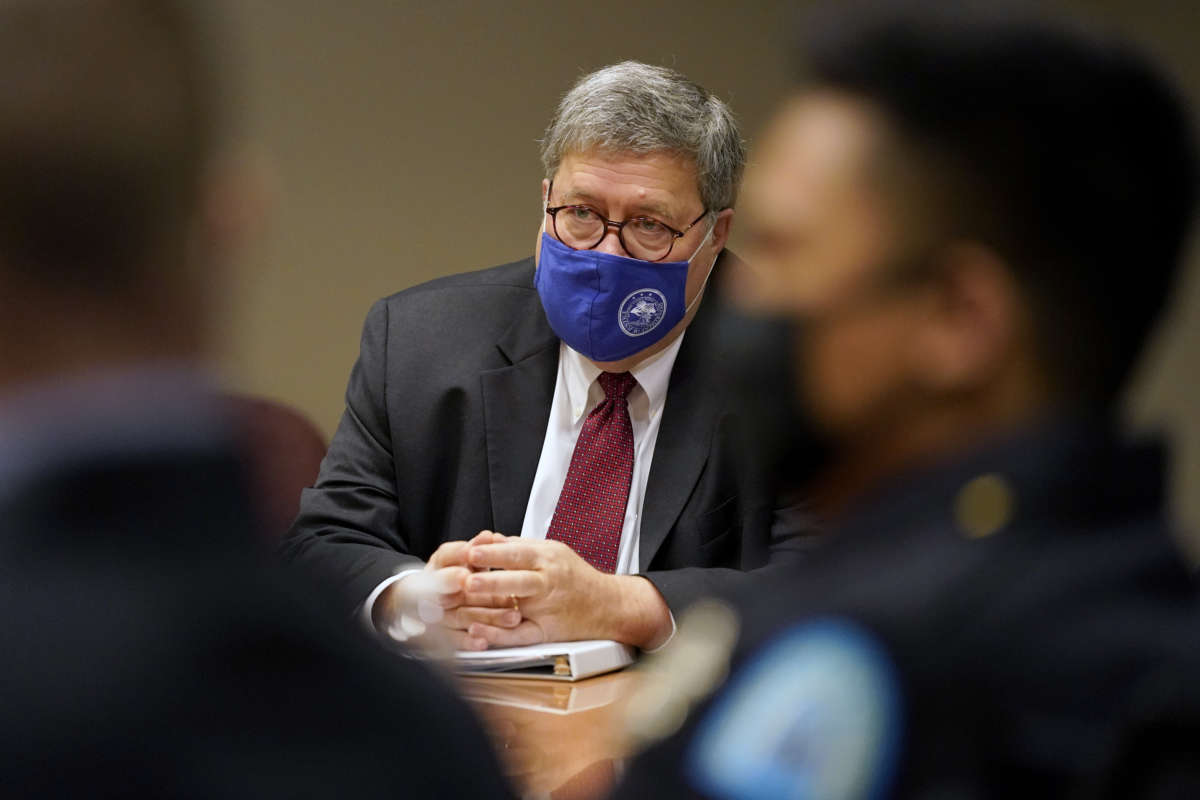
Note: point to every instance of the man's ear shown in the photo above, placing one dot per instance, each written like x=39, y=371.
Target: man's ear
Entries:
x=545, y=193
x=721, y=229
x=974, y=324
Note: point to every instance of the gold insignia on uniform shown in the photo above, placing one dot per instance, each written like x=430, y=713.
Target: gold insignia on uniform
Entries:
x=984, y=505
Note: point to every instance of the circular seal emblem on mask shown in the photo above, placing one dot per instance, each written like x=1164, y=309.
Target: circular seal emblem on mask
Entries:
x=642, y=311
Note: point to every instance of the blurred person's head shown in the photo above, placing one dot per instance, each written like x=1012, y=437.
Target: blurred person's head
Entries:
x=109, y=232
x=646, y=146
x=977, y=217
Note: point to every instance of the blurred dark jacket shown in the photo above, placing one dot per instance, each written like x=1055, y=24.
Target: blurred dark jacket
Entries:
x=1001, y=610
x=151, y=652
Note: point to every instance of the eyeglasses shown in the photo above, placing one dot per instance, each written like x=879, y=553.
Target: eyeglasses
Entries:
x=581, y=227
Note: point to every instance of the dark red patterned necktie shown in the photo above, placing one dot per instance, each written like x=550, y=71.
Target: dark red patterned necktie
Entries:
x=591, y=507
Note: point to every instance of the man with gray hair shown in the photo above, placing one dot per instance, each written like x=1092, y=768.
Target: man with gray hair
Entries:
x=538, y=439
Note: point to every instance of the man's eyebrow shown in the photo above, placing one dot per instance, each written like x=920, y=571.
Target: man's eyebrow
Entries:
x=648, y=208
x=577, y=196
x=654, y=209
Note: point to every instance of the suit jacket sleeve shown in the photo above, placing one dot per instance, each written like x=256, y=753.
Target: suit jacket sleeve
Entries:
x=771, y=541
x=349, y=527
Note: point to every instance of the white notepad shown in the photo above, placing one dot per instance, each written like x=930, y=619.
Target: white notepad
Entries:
x=563, y=661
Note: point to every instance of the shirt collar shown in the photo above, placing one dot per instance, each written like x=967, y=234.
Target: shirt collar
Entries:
x=652, y=375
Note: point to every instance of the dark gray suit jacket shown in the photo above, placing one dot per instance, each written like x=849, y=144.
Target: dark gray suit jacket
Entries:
x=446, y=413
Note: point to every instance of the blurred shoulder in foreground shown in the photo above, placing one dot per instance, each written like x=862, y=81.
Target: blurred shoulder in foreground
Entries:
x=151, y=650
x=972, y=221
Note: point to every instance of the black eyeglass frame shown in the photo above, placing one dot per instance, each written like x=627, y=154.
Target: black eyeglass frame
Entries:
x=676, y=235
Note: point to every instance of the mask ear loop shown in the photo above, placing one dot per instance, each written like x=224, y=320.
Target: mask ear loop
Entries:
x=542, y=231
x=544, y=206
x=711, y=266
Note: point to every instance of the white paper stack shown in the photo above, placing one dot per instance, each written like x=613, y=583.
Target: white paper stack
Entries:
x=563, y=661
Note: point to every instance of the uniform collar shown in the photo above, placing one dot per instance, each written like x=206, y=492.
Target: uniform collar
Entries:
x=653, y=376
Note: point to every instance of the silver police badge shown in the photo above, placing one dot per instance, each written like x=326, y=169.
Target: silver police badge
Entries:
x=642, y=311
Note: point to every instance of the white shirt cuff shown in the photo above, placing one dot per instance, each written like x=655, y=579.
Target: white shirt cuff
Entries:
x=669, y=638
x=368, y=606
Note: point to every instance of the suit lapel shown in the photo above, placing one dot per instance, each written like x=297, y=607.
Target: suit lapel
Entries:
x=516, y=409
x=684, y=437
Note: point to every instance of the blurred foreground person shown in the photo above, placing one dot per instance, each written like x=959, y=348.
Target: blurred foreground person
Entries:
x=146, y=652
x=974, y=221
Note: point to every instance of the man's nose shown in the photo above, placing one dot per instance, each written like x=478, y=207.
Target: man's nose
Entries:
x=611, y=243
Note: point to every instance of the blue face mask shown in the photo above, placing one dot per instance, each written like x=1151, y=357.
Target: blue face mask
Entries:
x=610, y=307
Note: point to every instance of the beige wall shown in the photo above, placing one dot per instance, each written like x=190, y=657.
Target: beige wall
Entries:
x=395, y=127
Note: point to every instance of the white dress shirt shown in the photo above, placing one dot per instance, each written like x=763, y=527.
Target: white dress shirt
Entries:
x=576, y=392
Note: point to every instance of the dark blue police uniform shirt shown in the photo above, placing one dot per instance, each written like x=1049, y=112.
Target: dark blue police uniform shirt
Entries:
x=974, y=629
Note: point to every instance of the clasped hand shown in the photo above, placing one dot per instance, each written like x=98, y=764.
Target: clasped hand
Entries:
x=501, y=591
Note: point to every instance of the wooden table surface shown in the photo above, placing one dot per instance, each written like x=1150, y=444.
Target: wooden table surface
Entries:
x=556, y=738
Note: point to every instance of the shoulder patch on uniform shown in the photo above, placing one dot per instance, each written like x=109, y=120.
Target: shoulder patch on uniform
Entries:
x=814, y=714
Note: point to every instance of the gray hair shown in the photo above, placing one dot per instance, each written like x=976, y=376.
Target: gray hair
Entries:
x=637, y=108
